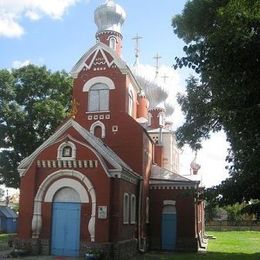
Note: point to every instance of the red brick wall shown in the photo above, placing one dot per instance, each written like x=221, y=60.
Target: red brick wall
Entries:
x=118, y=230
x=35, y=176
x=185, y=214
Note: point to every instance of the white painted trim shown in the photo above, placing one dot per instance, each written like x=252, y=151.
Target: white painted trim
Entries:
x=116, y=60
x=100, y=148
x=133, y=209
x=66, y=182
x=169, y=202
x=104, y=80
x=103, y=128
x=60, y=148
x=46, y=184
x=95, y=50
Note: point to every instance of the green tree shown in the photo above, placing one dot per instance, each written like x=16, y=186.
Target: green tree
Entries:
x=222, y=46
x=33, y=102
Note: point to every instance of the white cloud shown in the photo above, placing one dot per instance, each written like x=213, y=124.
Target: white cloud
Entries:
x=19, y=64
x=9, y=27
x=11, y=12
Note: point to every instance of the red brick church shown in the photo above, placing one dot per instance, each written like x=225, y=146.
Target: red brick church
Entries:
x=108, y=178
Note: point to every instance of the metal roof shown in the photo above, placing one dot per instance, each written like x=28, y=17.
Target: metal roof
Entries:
x=7, y=212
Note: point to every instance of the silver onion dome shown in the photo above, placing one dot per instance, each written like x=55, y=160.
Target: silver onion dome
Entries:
x=110, y=17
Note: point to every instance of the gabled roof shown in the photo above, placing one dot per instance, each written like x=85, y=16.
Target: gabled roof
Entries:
x=7, y=212
x=102, y=48
x=110, y=156
x=160, y=175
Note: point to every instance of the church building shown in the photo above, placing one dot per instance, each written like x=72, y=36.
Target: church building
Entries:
x=108, y=178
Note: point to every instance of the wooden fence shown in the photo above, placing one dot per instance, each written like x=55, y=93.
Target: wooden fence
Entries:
x=224, y=225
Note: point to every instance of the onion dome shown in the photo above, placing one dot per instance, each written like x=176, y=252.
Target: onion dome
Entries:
x=153, y=91
x=195, y=166
x=110, y=17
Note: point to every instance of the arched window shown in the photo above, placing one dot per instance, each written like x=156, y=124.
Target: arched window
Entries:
x=161, y=119
x=133, y=209
x=98, y=129
x=112, y=43
x=98, y=98
x=126, y=209
x=149, y=119
x=130, y=103
x=66, y=151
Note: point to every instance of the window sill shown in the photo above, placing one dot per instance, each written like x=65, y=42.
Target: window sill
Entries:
x=97, y=112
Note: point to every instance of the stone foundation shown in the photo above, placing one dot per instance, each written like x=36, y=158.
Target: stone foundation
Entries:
x=187, y=245
x=122, y=250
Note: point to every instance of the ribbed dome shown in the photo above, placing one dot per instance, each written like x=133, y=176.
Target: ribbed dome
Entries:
x=154, y=91
x=110, y=17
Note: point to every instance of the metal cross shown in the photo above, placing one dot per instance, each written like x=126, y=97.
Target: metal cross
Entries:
x=165, y=77
x=136, y=39
x=157, y=57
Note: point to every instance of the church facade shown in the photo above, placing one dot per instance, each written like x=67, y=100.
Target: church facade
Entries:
x=108, y=178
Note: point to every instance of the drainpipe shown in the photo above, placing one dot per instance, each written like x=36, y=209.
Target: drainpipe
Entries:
x=197, y=220
x=140, y=246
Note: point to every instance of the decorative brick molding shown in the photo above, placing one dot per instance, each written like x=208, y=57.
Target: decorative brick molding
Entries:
x=67, y=163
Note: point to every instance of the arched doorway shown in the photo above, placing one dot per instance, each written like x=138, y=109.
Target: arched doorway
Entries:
x=65, y=239
x=169, y=226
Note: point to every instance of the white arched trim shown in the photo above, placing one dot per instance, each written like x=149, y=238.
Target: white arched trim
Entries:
x=126, y=209
x=105, y=80
x=43, y=189
x=67, y=182
x=103, y=128
x=149, y=119
x=60, y=150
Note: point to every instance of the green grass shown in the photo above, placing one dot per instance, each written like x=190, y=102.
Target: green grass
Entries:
x=237, y=245
x=4, y=238
x=241, y=242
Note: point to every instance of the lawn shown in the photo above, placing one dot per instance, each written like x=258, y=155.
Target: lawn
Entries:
x=237, y=245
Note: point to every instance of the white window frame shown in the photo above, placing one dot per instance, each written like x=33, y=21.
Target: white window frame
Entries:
x=133, y=209
x=60, y=151
x=112, y=42
x=98, y=98
x=103, y=128
x=99, y=80
x=161, y=118
x=126, y=209
x=130, y=103
x=149, y=119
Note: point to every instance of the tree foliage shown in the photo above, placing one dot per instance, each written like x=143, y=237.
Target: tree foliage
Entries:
x=222, y=45
x=33, y=102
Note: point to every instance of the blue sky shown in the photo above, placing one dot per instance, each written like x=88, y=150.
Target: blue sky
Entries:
x=56, y=33
x=58, y=43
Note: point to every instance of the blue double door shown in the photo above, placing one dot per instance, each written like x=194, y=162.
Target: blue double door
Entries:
x=65, y=229
x=169, y=234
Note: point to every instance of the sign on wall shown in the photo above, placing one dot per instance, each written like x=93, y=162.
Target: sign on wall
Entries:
x=102, y=212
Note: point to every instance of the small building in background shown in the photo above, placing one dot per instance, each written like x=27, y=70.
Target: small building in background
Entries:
x=8, y=220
